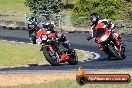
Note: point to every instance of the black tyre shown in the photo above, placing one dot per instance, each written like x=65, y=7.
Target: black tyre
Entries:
x=114, y=53
x=73, y=60
x=81, y=80
x=49, y=58
x=123, y=52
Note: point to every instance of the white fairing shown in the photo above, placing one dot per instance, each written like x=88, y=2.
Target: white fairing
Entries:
x=38, y=41
x=91, y=32
x=103, y=20
x=103, y=38
x=112, y=26
x=44, y=37
x=104, y=26
x=47, y=23
x=48, y=32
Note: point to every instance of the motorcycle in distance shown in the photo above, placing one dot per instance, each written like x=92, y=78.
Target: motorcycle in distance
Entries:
x=103, y=36
x=52, y=49
x=32, y=32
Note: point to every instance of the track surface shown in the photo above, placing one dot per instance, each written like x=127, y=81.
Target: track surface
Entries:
x=77, y=41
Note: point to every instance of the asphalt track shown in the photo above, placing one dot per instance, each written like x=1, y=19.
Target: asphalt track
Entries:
x=77, y=41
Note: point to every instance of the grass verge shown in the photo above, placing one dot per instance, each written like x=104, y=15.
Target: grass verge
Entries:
x=73, y=84
x=13, y=6
x=56, y=80
x=12, y=54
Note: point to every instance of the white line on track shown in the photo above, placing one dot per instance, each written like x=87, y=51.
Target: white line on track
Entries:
x=96, y=55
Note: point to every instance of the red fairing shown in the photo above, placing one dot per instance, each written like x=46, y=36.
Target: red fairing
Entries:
x=64, y=57
x=107, y=32
x=40, y=32
x=98, y=40
x=52, y=35
x=99, y=25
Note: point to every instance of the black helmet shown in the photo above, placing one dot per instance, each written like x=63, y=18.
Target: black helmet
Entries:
x=32, y=19
x=94, y=17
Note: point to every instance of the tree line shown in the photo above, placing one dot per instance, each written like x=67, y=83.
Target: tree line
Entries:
x=113, y=9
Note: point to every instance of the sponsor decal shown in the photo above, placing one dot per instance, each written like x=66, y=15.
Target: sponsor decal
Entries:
x=83, y=78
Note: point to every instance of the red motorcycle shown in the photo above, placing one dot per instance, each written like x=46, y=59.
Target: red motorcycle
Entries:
x=52, y=49
x=104, y=37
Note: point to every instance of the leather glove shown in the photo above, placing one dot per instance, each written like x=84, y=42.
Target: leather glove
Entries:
x=89, y=38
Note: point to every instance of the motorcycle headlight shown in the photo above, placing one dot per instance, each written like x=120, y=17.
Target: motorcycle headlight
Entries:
x=48, y=32
x=103, y=38
x=38, y=41
x=44, y=37
x=59, y=35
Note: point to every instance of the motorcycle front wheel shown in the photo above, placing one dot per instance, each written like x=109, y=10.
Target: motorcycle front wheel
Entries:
x=73, y=60
x=53, y=60
x=114, y=53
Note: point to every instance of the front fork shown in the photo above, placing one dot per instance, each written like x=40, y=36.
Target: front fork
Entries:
x=120, y=49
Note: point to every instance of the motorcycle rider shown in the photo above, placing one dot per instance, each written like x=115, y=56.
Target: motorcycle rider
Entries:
x=32, y=25
x=61, y=37
x=49, y=27
x=95, y=19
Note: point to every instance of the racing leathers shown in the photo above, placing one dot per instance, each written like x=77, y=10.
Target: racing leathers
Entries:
x=32, y=25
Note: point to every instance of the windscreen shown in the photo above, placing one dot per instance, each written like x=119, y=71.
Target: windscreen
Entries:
x=100, y=32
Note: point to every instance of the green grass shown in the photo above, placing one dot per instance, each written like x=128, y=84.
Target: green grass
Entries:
x=20, y=54
x=80, y=54
x=71, y=84
x=13, y=6
x=16, y=6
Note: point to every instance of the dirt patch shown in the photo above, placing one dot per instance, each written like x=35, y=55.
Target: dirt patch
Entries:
x=12, y=79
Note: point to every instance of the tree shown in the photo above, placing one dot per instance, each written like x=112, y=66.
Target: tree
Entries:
x=44, y=6
x=128, y=11
x=105, y=8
